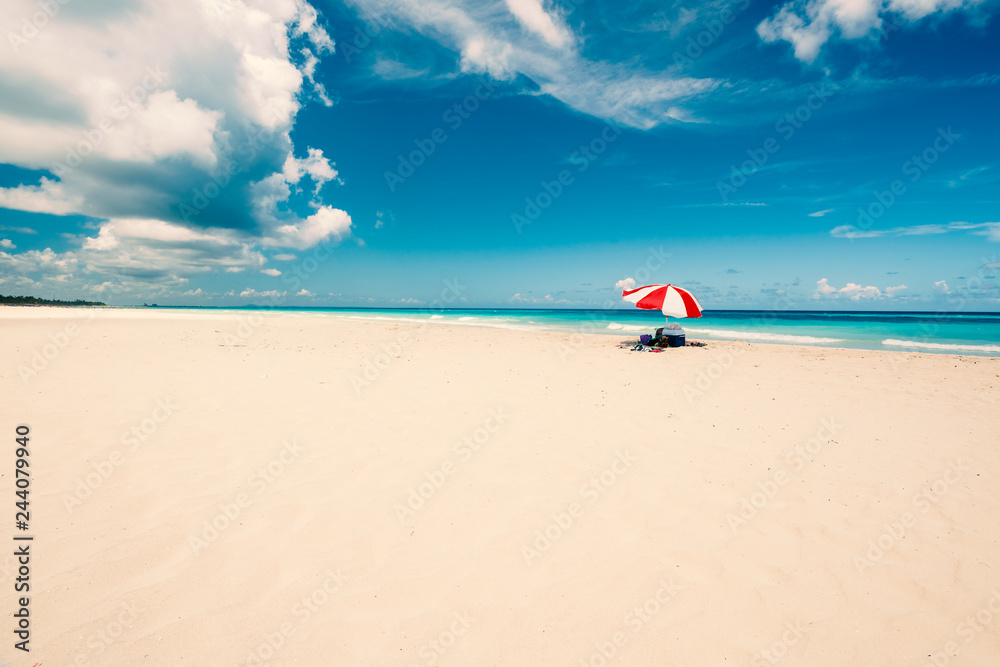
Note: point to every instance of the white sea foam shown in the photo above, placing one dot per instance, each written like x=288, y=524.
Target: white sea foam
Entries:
x=940, y=346
x=763, y=336
x=378, y=318
x=487, y=322
x=627, y=327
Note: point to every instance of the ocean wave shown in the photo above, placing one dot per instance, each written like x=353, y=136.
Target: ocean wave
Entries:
x=374, y=318
x=440, y=320
x=763, y=336
x=628, y=327
x=940, y=346
x=488, y=323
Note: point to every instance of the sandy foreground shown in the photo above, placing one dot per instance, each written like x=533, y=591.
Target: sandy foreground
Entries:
x=212, y=490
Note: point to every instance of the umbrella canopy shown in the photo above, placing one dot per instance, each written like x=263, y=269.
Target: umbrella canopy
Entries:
x=673, y=301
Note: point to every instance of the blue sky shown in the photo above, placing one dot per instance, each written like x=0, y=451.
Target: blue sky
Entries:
x=830, y=154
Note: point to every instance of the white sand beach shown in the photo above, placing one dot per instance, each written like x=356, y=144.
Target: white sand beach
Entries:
x=304, y=490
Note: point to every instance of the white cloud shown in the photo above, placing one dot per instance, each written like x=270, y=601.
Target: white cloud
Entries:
x=309, y=71
x=625, y=284
x=941, y=287
x=270, y=85
x=486, y=54
x=188, y=98
x=284, y=257
x=250, y=293
x=325, y=224
x=317, y=167
x=808, y=24
x=989, y=229
x=393, y=70
x=548, y=299
x=164, y=234
x=820, y=214
x=274, y=273
x=304, y=292
x=505, y=38
x=107, y=287
x=289, y=231
x=381, y=217
x=48, y=196
x=805, y=38
x=854, y=291
x=823, y=288
x=135, y=253
x=7, y=243
x=16, y=281
x=533, y=16
x=307, y=23
x=142, y=136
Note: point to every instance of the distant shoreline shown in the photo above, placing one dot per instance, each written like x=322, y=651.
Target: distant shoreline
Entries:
x=62, y=305
x=35, y=301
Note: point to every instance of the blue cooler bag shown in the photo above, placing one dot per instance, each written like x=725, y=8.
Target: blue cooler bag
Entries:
x=675, y=337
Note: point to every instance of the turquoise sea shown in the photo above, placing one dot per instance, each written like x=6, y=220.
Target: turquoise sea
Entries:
x=953, y=333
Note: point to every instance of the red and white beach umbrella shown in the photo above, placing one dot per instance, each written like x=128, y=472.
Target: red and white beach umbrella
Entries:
x=673, y=301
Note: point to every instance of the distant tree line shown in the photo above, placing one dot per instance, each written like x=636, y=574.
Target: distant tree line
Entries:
x=35, y=301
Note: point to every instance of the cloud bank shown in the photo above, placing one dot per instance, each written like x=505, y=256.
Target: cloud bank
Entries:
x=176, y=141
x=854, y=292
